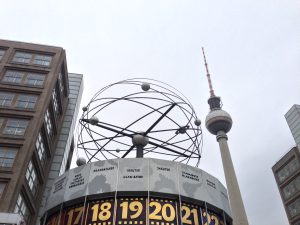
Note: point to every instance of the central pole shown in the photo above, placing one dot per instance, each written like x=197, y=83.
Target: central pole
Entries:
x=139, y=151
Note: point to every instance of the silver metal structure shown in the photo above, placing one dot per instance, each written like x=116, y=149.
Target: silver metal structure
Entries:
x=139, y=118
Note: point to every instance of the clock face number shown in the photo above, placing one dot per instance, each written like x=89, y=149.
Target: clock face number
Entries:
x=74, y=215
x=54, y=219
x=160, y=210
x=103, y=213
x=135, y=207
x=131, y=210
x=210, y=218
x=189, y=215
x=100, y=211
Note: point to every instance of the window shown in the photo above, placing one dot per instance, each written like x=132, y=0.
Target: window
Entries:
x=19, y=101
x=26, y=78
x=31, y=178
x=35, y=79
x=21, y=208
x=43, y=60
x=31, y=58
x=2, y=187
x=12, y=76
x=288, y=170
x=294, y=208
x=6, y=99
x=7, y=156
x=40, y=148
x=22, y=57
x=54, y=99
x=15, y=127
x=26, y=101
x=293, y=187
x=1, y=121
x=60, y=81
x=48, y=123
x=2, y=52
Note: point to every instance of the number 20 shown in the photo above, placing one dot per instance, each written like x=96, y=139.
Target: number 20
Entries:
x=163, y=209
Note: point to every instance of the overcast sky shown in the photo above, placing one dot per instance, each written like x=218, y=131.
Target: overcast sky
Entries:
x=253, y=52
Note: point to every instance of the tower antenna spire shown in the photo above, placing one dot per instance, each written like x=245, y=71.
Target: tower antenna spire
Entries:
x=212, y=93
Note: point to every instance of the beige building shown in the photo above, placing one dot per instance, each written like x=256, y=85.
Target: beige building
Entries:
x=287, y=175
x=34, y=132
x=287, y=170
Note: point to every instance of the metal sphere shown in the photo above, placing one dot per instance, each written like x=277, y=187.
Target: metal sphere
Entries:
x=118, y=150
x=145, y=86
x=218, y=120
x=140, y=140
x=84, y=108
x=80, y=161
x=197, y=122
x=94, y=120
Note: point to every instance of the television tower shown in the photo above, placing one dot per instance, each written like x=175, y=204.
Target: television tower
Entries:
x=219, y=122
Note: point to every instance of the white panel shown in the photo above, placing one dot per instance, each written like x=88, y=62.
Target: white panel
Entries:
x=103, y=177
x=163, y=176
x=133, y=175
x=56, y=195
x=77, y=182
x=192, y=182
x=224, y=198
x=212, y=190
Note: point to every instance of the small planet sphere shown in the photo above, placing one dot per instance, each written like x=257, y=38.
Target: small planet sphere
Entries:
x=197, y=122
x=80, y=161
x=145, y=86
x=94, y=120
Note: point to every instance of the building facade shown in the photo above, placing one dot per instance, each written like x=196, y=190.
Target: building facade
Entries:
x=293, y=120
x=287, y=175
x=34, y=100
x=65, y=145
x=287, y=170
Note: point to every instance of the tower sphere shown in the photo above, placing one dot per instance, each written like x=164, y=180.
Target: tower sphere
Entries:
x=218, y=120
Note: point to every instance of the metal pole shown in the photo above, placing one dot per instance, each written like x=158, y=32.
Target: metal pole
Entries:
x=139, y=151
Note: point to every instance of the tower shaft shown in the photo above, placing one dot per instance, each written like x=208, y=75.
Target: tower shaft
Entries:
x=237, y=207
